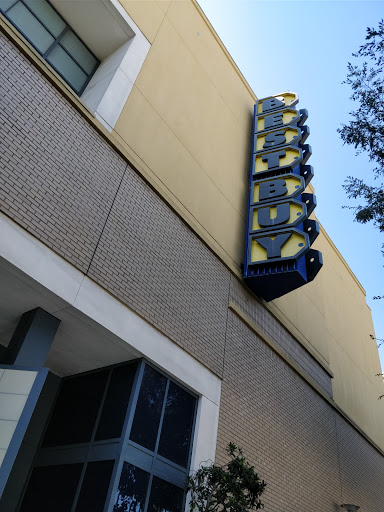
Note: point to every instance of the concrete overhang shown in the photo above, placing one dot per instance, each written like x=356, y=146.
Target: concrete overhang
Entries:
x=80, y=343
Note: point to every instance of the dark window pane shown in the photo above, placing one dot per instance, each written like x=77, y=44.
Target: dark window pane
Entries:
x=116, y=402
x=132, y=489
x=52, y=488
x=67, y=68
x=76, y=409
x=47, y=15
x=165, y=497
x=148, y=410
x=6, y=4
x=77, y=49
x=95, y=486
x=176, y=431
x=31, y=27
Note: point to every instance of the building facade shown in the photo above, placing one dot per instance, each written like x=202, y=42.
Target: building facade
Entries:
x=132, y=349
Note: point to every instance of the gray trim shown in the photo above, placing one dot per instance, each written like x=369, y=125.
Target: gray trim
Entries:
x=115, y=478
x=122, y=449
x=148, y=491
x=161, y=418
x=89, y=445
x=22, y=425
x=55, y=43
x=32, y=339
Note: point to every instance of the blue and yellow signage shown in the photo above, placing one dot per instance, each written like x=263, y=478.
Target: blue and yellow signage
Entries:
x=278, y=256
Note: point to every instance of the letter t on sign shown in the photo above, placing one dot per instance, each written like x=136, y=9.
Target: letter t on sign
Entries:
x=273, y=159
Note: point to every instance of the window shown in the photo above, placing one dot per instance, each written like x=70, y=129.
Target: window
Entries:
x=118, y=439
x=54, y=39
x=103, y=65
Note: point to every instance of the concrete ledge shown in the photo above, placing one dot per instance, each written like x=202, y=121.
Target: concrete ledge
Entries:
x=269, y=341
x=30, y=261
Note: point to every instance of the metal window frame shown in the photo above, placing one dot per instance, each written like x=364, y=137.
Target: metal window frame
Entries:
x=56, y=42
x=121, y=449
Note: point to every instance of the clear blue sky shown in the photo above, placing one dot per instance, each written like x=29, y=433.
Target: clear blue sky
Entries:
x=304, y=46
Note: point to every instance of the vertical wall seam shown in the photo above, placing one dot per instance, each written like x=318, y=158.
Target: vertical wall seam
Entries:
x=226, y=325
x=338, y=458
x=106, y=220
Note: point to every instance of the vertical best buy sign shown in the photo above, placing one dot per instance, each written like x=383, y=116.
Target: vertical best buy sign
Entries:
x=278, y=255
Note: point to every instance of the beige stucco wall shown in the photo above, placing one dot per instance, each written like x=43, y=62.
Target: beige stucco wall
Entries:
x=332, y=313
x=353, y=355
x=189, y=120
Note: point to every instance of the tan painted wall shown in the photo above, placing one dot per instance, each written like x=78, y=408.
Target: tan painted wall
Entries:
x=353, y=354
x=189, y=119
x=332, y=313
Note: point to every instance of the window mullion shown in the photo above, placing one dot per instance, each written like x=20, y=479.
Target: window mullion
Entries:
x=135, y=395
x=10, y=7
x=77, y=77
x=101, y=407
x=40, y=20
x=90, y=75
x=161, y=417
x=84, y=468
x=115, y=478
x=193, y=434
x=148, y=492
x=85, y=465
x=56, y=42
x=69, y=54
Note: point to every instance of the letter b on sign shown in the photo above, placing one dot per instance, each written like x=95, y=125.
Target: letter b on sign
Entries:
x=271, y=189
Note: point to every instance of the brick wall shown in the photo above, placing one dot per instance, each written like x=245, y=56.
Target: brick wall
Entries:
x=361, y=469
x=311, y=458
x=285, y=341
x=149, y=260
x=58, y=178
